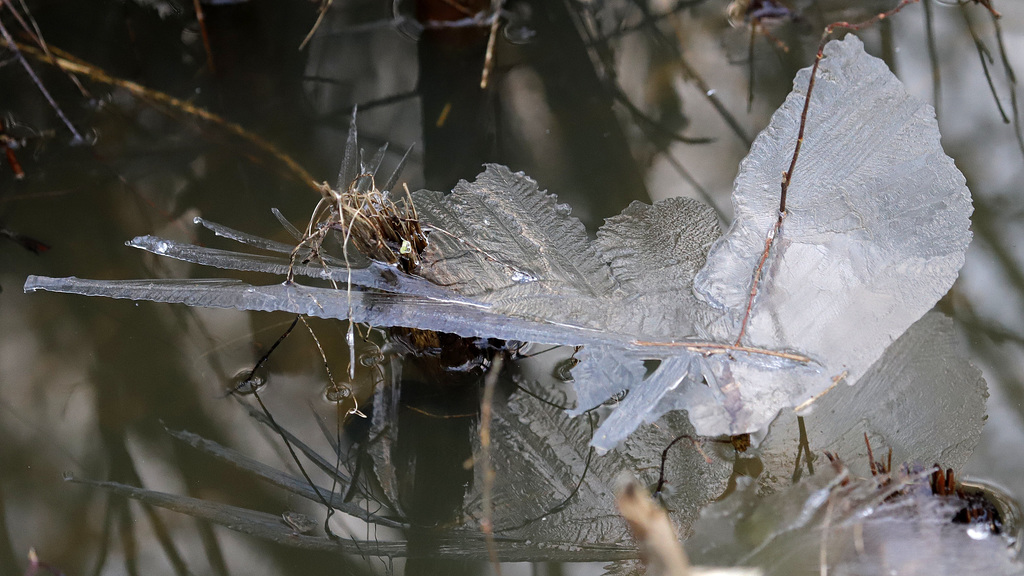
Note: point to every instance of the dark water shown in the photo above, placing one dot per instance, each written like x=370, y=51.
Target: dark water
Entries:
x=87, y=385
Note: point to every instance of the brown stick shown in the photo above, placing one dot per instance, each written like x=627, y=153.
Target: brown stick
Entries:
x=99, y=75
x=201, y=19
x=718, y=348
x=485, y=77
x=787, y=176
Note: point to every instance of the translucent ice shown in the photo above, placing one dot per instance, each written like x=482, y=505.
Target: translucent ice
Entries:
x=875, y=232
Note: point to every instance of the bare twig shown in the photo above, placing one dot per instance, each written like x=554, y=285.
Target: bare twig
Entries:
x=17, y=49
x=787, y=176
x=201, y=19
x=36, y=35
x=62, y=61
x=492, y=38
x=324, y=7
x=933, y=56
x=986, y=60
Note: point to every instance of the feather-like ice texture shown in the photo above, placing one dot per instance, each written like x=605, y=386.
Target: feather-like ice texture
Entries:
x=875, y=232
x=548, y=485
x=838, y=524
x=506, y=242
x=922, y=398
x=654, y=253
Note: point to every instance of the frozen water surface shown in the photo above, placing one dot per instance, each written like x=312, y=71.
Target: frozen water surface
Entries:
x=875, y=232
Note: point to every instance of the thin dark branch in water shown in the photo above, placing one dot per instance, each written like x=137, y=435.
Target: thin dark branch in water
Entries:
x=653, y=125
x=583, y=476
x=466, y=546
x=1011, y=78
x=664, y=458
x=163, y=536
x=787, y=176
x=295, y=458
x=933, y=55
x=66, y=63
x=804, y=450
x=486, y=406
x=750, y=66
x=325, y=5
x=485, y=77
x=704, y=194
x=104, y=543
x=606, y=62
x=712, y=97
x=18, y=49
x=689, y=72
x=986, y=59
x=36, y=35
x=241, y=387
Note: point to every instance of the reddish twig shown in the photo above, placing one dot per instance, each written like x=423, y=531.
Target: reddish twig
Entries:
x=787, y=176
x=12, y=160
x=201, y=19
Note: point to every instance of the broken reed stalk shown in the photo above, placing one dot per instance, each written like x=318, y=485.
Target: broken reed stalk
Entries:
x=321, y=13
x=487, y=522
x=718, y=348
x=653, y=531
x=787, y=176
x=492, y=39
x=74, y=66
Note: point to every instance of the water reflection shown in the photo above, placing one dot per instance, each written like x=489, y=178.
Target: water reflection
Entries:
x=86, y=383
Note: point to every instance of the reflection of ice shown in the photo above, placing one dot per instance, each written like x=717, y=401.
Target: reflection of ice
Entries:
x=922, y=398
x=835, y=523
x=875, y=231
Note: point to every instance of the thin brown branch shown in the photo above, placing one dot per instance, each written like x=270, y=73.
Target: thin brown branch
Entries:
x=492, y=38
x=719, y=348
x=201, y=19
x=322, y=12
x=12, y=160
x=787, y=176
x=18, y=49
x=76, y=66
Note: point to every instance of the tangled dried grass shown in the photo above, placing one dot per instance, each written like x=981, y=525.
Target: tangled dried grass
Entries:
x=376, y=226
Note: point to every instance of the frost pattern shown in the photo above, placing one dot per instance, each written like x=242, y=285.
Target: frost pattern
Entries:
x=876, y=230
